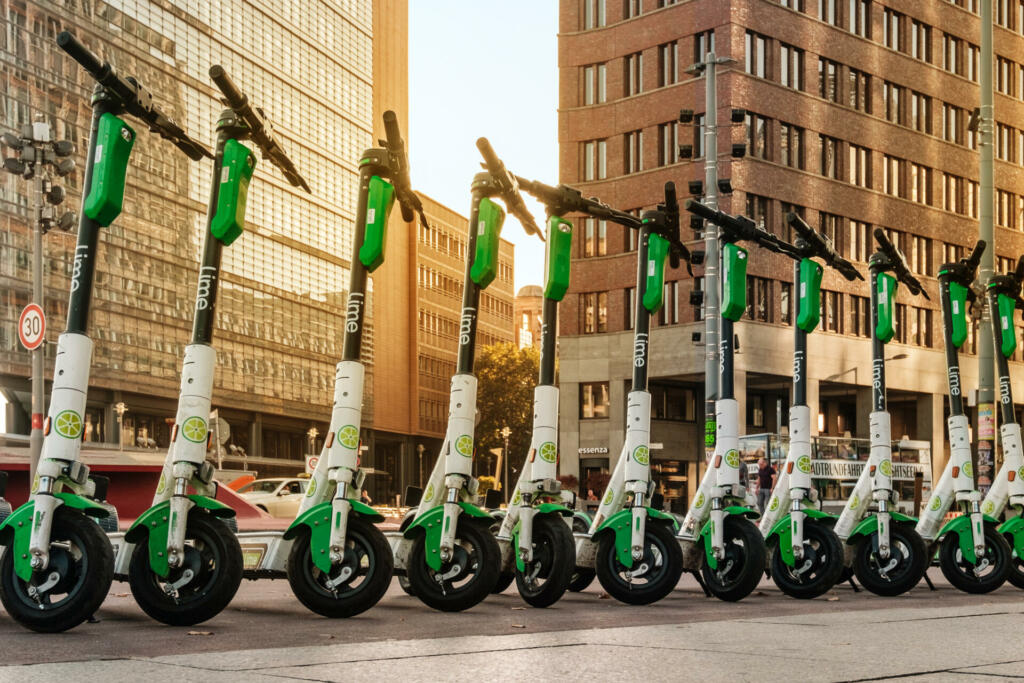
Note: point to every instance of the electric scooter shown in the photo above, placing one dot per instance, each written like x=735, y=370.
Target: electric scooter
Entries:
x=58, y=564
x=1004, y=297
x=184, y=562
x=340, y=563
x=631, y=545
x=448, y=553
x=887, y=554
x=973, y=555
x=805, y=556
x=718, y=535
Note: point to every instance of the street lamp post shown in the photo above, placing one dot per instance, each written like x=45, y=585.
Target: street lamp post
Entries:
x=505, y=433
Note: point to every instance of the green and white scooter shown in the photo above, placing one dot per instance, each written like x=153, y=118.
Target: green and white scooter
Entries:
x=184, y=563
x=718, y=535
x=886, y=553
x=973, y=555
x=1007, y=490
x=448, y=553
x=58, y=564
x=630, y=545
x=805, y=557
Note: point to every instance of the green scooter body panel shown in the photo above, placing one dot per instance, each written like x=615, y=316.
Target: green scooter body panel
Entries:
x=154, y=526
x=783, y=529
x=961, y=526
x=705, y=533
x=869, y=524
x=114, y=141
x=430, y=523
x=654, y=285
x=958, y=312
x=490, y=218
x=542, y=509
x=734, y=281
x=16, y=530
x=318, y=519
x=379, y=202
x=557, y=255
x=809, y=295
x=621, y=525
x=1007, y=332
x=237, y=167
x=886, y=307
x=1014, y=527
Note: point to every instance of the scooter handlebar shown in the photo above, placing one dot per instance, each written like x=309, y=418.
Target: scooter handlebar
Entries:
x=1018, y=273
x=565, y=199
x=80, y=53
x=974, y=260
x=741, y=228
x=235, y=98
x=820, y=245
x=509, y=188
x=898, y=263
x=408, y=201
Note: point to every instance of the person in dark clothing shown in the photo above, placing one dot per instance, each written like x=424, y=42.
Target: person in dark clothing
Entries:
x=765, y=483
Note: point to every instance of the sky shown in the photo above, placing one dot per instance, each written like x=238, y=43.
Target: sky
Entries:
x=484, y=68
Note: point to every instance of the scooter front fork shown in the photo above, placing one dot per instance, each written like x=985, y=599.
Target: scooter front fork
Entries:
x=884, y=523
x=796, y=526
x=450, y=519
x=526, y=515
x=178, y=522
x=340, y=508
x=638, y=527
x=973, y=499
x=717, y=528
x=42, y=522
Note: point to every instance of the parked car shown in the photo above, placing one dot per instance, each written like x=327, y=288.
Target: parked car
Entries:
x=279, y=497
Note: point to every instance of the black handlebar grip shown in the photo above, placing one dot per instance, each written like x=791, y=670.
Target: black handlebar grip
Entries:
x=494, y=164
x=232, y=94
x=80, y=53
x=975, y=258
x=1018, y=274
x=671, y=203
x=391, y=130
x=798, y=224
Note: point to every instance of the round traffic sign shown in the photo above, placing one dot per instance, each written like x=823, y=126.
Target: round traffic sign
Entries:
x=32, y=327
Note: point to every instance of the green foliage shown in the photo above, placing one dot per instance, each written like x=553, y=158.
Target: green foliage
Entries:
x=507, y=376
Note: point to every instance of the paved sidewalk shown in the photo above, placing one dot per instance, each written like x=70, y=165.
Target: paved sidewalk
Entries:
x=913, y=644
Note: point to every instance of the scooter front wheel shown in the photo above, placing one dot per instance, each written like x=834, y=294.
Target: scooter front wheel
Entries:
x=355, y=584
x=969, y=577
x=554, y=558
x=742, y=566
x=213, y=557
x=82, y=567
x=656, y=575
x=463, y=581
x=820, y=568
x=1016, y=576
x=902, y=570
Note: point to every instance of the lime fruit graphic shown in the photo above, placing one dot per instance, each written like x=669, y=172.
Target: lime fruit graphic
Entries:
x=68, y=424
x=700, y=501
x=936, y=503
x=988, y=508
x=803, y=463
x=311, y=489
x=608, y=497
x=194, y=429
x=774, y=504
x=886, y=467
x=855, y=503
x=464, y=445
x=968, y=470
x=348, y=436
x=548, y=451
x=642, y=455
x=516, y=498
x=1020, y=473
x=732, y=459
x=428, y=495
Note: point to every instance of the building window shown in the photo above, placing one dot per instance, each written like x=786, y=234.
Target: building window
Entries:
x=921, y=326
x=831, y=225
x=829, y=156
x=893, y=96
x=828, y=79
x=1005, y=76
x=594, y=15
x=698, y=136
x=594, y=312
x=595, y=237
x=757, y=136
x=791, y=61
x=860, y=316
x=633, y=77
x=831, y=311
x=952, y=54
x=668, y=64
x=629, y=306
x=633, y=151
x=757, y=210
x=921, y=255
x=698, y=310
x=953, y=123
x=920, y=41
x=973, y=61
x=920, y=183
x=672, y=401
x=860, y=240
x=891, y=22
x=951, y=253
x=757, y=55
x=786, y=303
x=953, y=193
x=703, y=43
x=668, y=143
x=859, y=91
x=921, y=112
x=594, y=80
x=859, y=18
x=791, y=145
x=593, y=400
x=797, y=5
x=828, y=11
x=891, y=175
x=669, y=313
x=595, y=160
x=759, y=298
x=633, y=8
x=860, y=166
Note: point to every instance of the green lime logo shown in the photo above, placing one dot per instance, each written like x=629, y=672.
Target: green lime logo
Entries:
x=855, y=502
x=68, y=424
x=968, y=470
x=803, y=463
x=774, y=504
x=348, y=436
x=988, y=508
x=885, y=467
x=194, y=429
x=608, y=497
x=162, y=484
x=1020, y=473
x=548, y=451
x=516, y=498
x=464, y=445
x=311, y=489
x=35, y=484
x=700, y=501
x=428, y=495
x=732, y=459
x=642, y=455
x=936, y=503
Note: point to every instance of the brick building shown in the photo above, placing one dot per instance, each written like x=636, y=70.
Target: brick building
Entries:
x=857, y=117
x=528, y=314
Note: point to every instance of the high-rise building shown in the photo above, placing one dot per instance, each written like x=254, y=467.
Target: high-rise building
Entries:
x=528, y=313
x=856, y=117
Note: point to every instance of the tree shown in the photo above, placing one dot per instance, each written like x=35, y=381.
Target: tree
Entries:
x=507, y=376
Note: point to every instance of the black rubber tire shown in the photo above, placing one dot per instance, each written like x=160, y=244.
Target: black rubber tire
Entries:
x=365, y=546
x=581, y=579
x=5, y=509
x=914, y=561
x=478, y=554
x=87, y=573
x=109, y=523
x=215, y=557
x=825, y=551
x=1016, y=575
x=554, y=555
x=505, y=580
x=403, y=580
x=661, y=551
x=231, y=523
x=959, y=572
x=746, y=558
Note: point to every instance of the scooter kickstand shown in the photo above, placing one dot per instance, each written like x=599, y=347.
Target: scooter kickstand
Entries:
x=928, y=580
x=704, y=586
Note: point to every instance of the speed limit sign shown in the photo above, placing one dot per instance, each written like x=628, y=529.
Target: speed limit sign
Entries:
x=32, y=327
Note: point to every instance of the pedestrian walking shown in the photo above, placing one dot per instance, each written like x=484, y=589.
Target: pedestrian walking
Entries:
x=765, y=483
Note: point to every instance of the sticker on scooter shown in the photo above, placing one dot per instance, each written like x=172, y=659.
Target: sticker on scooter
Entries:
x=464, y=445
x=311, y=489
x=516, y=498
x=194, y=429
x=936, y=503
x=732, y=459
x=68, y=424
x=642, y=455
x=608, y=497
x=803, y=463
x=774, y=504
x=1020, y=473
x=549, y=451
x=348, y=436
x=699, y=503
x=428, y=495
x=968, y=470
x=855, y=502
x=988, y=508
x=885, y=467
x=161, y=485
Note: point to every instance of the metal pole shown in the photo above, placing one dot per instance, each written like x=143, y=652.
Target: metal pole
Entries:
x=712, y=287
x=986, y=380
x=504, y=487
x=35, y=443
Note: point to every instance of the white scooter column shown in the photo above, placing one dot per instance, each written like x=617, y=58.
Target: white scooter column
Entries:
x=798, y=473
x=638, y=464
x=880, y=469
x=727, y=468
x=1003, y=490
x=343, y=452
x=458, y=456
x=541, y=464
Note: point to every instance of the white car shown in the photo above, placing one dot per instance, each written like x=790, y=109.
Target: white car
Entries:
x=279, y=497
